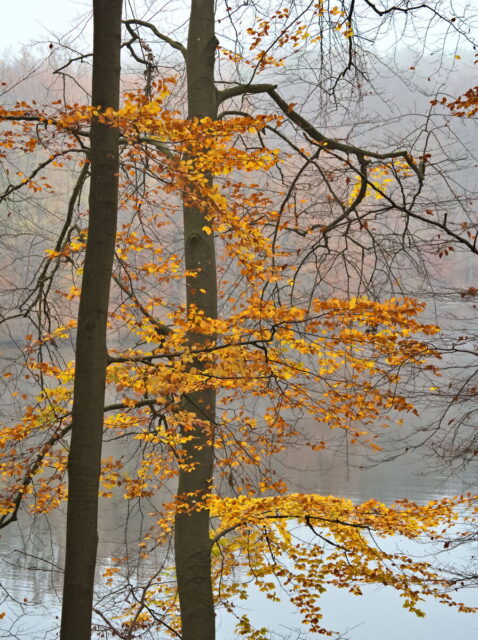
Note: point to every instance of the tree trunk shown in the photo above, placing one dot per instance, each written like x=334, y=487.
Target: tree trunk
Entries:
x=91, y=355
x=192, y=542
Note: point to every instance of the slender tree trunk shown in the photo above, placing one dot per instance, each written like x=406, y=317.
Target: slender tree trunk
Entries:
x=89, y=388
x=192, y=542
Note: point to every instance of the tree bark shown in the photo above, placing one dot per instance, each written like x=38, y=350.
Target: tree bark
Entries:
x=192, y=542
x=91, y=355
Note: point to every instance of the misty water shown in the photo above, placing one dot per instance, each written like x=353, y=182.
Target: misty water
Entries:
x=31, y=559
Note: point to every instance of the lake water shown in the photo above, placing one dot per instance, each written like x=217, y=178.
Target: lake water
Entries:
x=31, y=558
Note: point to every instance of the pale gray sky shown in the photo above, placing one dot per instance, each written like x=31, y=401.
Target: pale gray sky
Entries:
x=25, y=21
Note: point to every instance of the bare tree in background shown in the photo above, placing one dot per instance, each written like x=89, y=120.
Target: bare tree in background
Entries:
x=355, y=235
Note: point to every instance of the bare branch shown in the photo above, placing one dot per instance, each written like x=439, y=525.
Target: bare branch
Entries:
x=173, y=43
x=330, y=143
x=243, y=89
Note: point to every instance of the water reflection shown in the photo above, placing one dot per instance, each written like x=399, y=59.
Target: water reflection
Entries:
x=31, y=558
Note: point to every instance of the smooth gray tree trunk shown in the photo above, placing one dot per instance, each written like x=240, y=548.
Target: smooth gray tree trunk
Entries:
x=192, y=542
x=91, y=355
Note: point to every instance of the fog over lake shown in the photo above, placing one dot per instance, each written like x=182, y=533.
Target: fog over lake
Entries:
x=31, y=558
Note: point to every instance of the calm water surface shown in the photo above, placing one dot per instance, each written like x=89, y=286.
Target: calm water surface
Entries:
x=30, y=560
